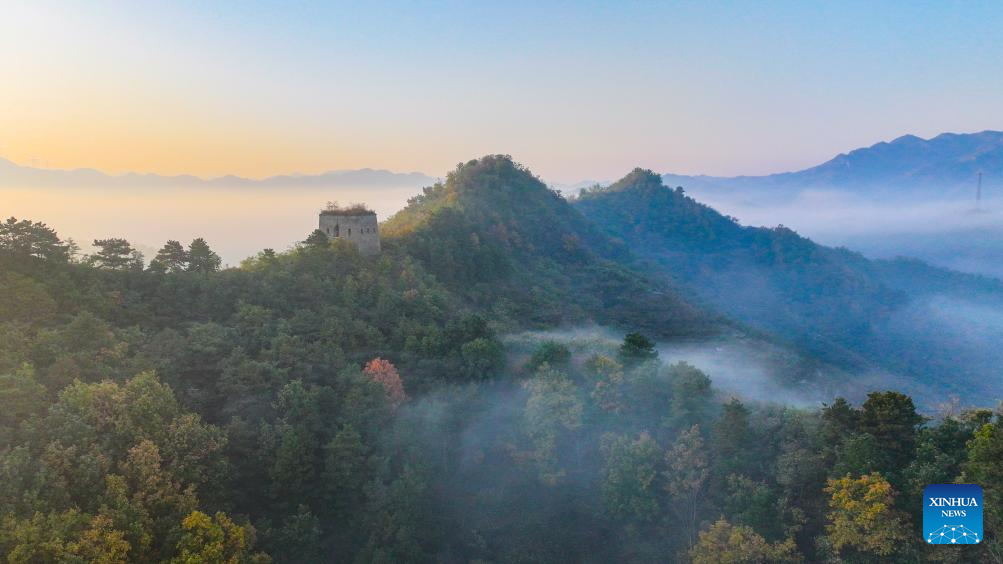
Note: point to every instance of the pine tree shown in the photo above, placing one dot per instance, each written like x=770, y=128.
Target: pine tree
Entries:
x=172, y=257
x=115, y=254
x=317, y=240
x=201, y=258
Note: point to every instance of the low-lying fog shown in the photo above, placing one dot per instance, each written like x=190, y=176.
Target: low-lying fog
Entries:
x=748, y=368
x=237, y=222
x=757, y=370
x=953, y=234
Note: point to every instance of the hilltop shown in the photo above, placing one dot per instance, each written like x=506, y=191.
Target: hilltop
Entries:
x=492, y=231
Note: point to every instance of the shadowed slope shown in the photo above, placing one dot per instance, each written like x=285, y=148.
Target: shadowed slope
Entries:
x=843, y=308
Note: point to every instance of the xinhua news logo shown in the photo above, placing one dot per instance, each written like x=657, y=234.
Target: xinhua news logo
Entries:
x=952, y=514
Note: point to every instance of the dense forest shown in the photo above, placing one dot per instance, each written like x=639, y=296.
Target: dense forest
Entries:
x=916, y=325
x=316, y=405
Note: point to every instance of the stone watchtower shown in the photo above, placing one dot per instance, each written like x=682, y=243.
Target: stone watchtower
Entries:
x=355, y=223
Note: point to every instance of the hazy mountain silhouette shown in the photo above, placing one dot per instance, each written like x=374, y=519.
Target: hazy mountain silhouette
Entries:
x=944, y=166
x=14, y=175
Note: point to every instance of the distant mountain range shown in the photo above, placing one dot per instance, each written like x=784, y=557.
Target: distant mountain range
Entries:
x=14, y=175
x=943, y=167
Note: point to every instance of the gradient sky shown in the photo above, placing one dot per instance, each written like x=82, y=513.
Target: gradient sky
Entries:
x=583, y=90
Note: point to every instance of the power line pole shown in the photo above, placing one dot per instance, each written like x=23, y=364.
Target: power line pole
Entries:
x=978, y=192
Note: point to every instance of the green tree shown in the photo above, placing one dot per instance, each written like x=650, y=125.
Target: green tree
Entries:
x=686, y=478
x=172, y=257
x=691, y=395
x=348, y=466
x=984, y=467
x=25, y=299
x=396, y=519
x=21, y=397
x=482, y=357
x=637, y=348
x=551, y=352
x=839, y=421
x=317, y=240
x=299, y=538
x=607, y=377
x=891, y=418
x=553, y=411
x=72, y=250
x=116, y=254
x=733, y=442
x=201, y=258
x=193, y=453
x=859, y=454
x=26, y=238
x=629, y=473
x=293, y=468
x=753, y=504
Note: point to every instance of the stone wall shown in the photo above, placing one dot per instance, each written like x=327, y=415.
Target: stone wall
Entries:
x=362, y=229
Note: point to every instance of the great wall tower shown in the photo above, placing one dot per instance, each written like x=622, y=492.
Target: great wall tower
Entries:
x=355, y=223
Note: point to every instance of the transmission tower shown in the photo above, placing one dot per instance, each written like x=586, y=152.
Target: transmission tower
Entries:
x=978, y=192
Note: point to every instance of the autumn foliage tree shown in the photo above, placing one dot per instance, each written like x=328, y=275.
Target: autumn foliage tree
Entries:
x=862, y=519
x=385, y=373
x=724, y=543
x=216, y=539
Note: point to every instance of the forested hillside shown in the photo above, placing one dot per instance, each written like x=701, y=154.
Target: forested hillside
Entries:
x=861, y=314
x=315, y=405
x=495, y=234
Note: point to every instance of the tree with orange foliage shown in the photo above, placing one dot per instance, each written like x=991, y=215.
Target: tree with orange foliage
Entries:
x=385, y=373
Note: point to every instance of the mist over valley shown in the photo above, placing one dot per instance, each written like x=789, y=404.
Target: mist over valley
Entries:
x=491, y=282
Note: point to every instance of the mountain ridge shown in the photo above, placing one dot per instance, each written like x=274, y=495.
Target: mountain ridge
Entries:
x=492, y=223
x=938, y=166
x=20, y=176
x=947, y=160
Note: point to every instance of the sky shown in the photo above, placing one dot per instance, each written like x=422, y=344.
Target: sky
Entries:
x=574, y=90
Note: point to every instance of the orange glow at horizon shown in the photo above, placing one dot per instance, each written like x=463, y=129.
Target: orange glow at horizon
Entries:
x=574, y=92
